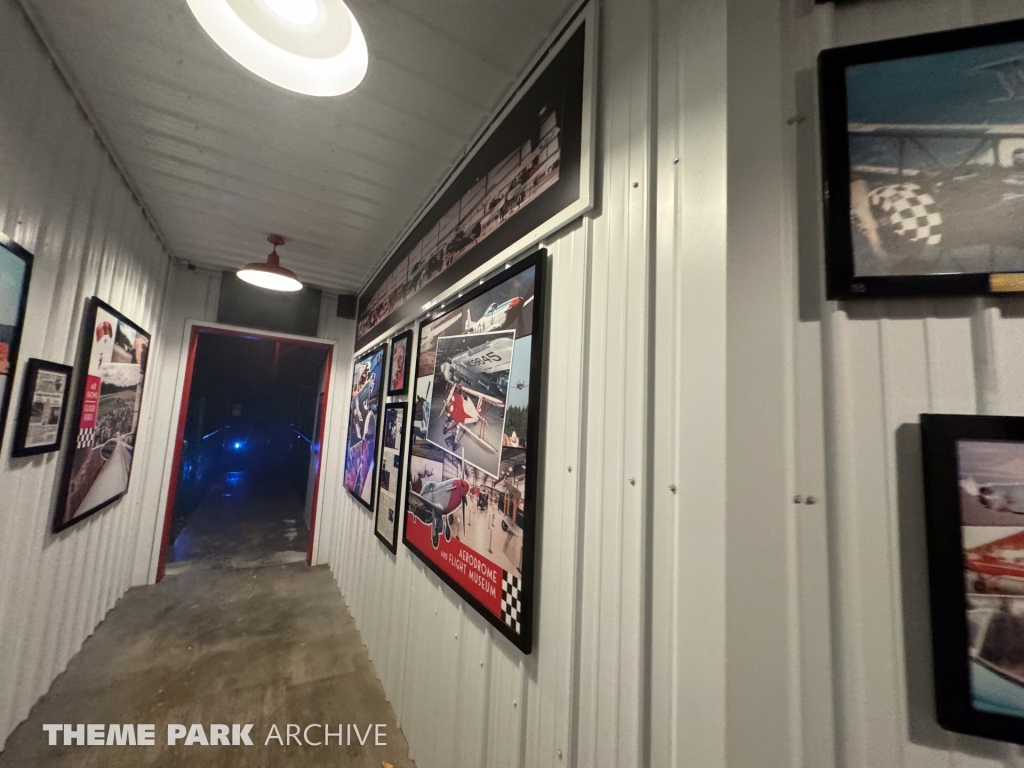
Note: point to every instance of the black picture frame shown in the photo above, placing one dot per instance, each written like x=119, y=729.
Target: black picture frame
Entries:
x=519, y=210
x=397, y=468
x=353, y=438
x=81, y=443
x=33, y=368
x=401, y=342
x=523, y=587
x=10, y=335
x=975, y=613
x=921, y=231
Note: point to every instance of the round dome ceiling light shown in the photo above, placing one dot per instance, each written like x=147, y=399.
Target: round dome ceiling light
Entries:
x=270, y=274
x=313, y=47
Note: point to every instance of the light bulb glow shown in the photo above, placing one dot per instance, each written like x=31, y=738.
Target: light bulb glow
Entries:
x=326, y=56
x=300, y=12
x=273, y=281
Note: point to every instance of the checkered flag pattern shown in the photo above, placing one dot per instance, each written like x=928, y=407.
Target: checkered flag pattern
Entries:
x=511, y=605
x=911, y=212
x=85, y=438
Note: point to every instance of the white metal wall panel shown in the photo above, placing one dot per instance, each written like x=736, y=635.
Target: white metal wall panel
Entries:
x=884, y=364
x=64, y=200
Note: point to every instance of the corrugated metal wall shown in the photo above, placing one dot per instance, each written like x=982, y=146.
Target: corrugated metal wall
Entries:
x=463, y=695
x=884, y=364
x=64, y=200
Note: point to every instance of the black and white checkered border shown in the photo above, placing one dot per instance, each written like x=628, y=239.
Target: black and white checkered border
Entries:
x=912, y=213
x=511, y=604
x=85, y=438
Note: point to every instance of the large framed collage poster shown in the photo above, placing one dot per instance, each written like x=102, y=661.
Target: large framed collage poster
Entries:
x=471, y=507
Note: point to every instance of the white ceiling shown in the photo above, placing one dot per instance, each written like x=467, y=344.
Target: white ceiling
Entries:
x=221, y=158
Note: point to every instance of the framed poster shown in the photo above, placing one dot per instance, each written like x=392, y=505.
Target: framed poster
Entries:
x=471, y=501
x=15, y=274
x=389, y=483
x=974, y=496
x=364, y=413
x=530, y=175
x=398, y=378
x=44, y=405
x=923, y=155
x=111, y=374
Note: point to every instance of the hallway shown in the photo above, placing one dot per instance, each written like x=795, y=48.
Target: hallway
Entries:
x=247, y=517
x=268, y=645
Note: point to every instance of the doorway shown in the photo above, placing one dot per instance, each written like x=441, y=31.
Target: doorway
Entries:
x=246, y=468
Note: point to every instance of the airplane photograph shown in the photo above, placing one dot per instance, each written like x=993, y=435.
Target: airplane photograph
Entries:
x=470, y=389
x=437, y=490
x=459, y=501
x=936, y=149
x=503, y=309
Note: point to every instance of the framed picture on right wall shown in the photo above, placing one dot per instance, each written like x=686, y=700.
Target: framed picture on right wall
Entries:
x=923, y=156
x=974, y=500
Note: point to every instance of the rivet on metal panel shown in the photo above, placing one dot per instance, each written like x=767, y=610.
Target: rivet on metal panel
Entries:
x=676, y=161
x=798, y=499
x=481, y=663
x=568, y=469
x=636, y=184
x=672, y=487
x=632, y=481
x=515, y=704
x=456, y=635
x=559, y=753
x=811, y=500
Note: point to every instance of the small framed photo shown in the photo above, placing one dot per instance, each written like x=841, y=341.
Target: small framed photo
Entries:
x=389, y=483
x=398, y=371
x=44, y=407
x=974, y=501
x=364, y=422
x=923, y=161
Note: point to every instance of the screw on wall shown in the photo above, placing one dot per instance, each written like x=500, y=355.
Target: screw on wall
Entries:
x=811, y=500
x=798, y=499
x=632, y=481
x=672, y=487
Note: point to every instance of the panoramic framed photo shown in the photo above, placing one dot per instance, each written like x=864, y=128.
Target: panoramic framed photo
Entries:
x=471, y=500
x=398, y=370
x=923, y=160
x=43, y=411
x=363, y=423
x=111, y=374
x=530, y=175
x=974, y=500
x=15, y=275
x=389, y=481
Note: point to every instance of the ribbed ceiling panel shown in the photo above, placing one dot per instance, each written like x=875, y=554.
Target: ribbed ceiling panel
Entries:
x=221, y=158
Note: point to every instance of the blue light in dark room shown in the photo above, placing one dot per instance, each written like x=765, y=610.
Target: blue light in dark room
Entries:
x=238, y=445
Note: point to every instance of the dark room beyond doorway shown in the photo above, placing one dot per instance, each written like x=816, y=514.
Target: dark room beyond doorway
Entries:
x=248, y=461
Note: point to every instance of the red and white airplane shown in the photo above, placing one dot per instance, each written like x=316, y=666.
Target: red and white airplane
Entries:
x=440, y=501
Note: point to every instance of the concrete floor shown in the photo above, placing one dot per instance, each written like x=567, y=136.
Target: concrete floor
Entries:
x=248, y=517
x=219, y=643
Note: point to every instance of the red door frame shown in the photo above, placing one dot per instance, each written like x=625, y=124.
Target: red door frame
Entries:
x=179, y=437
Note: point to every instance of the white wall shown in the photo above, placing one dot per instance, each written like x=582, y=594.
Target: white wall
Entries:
x=463, y=694
x=884, y=364
x=63, y=199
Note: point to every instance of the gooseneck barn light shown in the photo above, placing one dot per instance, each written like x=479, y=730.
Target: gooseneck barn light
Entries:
x=270, y=274
x=313, y=47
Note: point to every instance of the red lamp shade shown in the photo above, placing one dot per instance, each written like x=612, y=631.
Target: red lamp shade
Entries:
x=270, y=275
